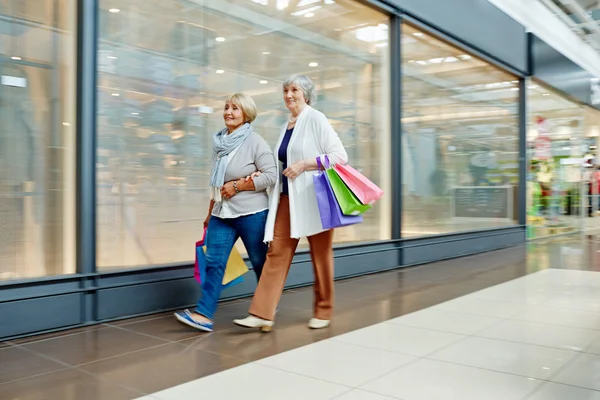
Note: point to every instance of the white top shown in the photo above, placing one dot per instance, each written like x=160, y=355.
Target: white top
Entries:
x=313, y=137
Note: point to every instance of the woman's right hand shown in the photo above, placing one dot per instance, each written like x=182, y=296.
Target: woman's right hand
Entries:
x=206, y=221
x=253, y=175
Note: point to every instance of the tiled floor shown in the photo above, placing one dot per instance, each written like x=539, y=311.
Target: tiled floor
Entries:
x=522, y=323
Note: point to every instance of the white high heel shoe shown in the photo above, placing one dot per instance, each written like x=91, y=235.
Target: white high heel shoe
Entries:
x=254, y=322
x=316, y=323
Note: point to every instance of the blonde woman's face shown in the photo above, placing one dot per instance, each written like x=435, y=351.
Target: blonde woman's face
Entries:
x=293, y=97
x=233, y=116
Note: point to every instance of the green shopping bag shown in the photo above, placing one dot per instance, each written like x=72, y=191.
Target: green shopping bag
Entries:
x=348, y=202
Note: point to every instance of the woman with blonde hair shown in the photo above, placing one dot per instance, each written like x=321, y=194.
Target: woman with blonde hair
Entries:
x=306, y=141
x=238, y=206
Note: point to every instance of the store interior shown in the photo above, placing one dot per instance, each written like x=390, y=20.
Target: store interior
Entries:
x=460, y=135
x=563, y=170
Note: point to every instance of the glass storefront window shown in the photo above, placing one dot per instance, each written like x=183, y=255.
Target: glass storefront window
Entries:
x=165, y=69
x=592, y=138
x=37, y=138
x=460, y=139
x=557, y=166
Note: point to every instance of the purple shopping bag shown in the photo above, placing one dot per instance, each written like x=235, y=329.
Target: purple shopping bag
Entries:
x=329, y=209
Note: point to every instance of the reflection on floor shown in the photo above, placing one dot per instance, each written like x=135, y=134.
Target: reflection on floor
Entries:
x=502, y=325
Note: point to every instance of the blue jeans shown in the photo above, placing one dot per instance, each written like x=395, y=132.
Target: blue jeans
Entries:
x=220, y=239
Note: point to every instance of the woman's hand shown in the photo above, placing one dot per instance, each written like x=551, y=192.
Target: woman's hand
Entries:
x=253, y=175
x=206, y=221
x=228, y=191
x=294, y=170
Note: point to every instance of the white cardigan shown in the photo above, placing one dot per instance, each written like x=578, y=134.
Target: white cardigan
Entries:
x=313, y=137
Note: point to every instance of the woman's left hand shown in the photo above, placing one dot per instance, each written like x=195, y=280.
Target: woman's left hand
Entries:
x=228, y=191
x=294, y=170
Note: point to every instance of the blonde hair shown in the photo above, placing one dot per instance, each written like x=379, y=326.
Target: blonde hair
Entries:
x=246, y=103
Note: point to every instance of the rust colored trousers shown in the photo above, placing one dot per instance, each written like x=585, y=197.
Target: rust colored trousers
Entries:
x=279, y=259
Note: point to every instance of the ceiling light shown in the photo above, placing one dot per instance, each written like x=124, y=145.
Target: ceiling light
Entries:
x=263, y=82
x=309, y=15
x=451, y=59
x=66, y=124
x=422, y=62
x=135, y=113
x=418, y=34
x=411, y=61
x=514, y=89
x=371, y=34
x=112, y=57
x=436, y=60
x=546, y=94
x=514, y=81
x=220, y=71
x=115, y=94
x=313, y=64
x=220, y=39
x=114, y=10
x=16, y=58
x=532, y=86
x=266, y=53
x=465, y=57
x=337, y=30
x=385, y=44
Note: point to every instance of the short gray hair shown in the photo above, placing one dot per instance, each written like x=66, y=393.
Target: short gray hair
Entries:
x=305, y=84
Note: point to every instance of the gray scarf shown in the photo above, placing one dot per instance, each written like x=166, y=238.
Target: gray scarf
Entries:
x=223, y=145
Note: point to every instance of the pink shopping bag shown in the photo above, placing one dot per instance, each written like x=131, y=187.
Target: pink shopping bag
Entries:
x=366, y=191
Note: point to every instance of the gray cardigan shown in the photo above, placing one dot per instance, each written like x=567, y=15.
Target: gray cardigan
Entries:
x=253, y=155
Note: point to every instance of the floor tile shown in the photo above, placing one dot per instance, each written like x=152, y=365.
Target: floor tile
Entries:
x=68, y=384
x=584, y=372
x=554, y=391
x=250, y=345
x=593, y=347
x=560, y=337
x=433, y=380
x=446, y=321
x=167, y=328
x=513, y=358
x=477, y=306
x=337, y=362
x=16, y=363
x=92, y=346
x=254, y=381
x=556, y=316
x=362, y=395
x=162, y=367
x=400, y=339
x=54, y=335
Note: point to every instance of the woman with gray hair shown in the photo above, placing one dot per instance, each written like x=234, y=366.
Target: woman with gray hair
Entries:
x=304, y=143
x=238, y=205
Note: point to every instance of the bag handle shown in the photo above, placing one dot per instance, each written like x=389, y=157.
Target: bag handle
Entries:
x=320, y=163
x=204, y=235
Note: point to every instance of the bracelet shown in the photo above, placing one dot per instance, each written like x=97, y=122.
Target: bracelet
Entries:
x=235, y=187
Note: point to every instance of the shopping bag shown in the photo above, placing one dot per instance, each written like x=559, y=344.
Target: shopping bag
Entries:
x=200, y=262
x=234, y=271
x=236, y=267
x=349, y=203
x=366, y=191
x=329, y=209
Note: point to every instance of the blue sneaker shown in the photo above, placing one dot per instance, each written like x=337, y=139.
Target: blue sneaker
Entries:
x=185, y=317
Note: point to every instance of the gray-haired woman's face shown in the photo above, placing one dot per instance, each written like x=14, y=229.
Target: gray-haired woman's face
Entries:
x=293, y=97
